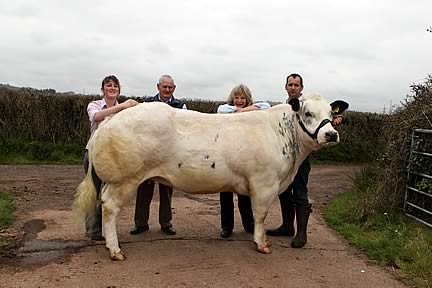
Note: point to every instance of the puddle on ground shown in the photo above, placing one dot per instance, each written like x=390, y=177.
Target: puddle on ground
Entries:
x=32, y=228
x=42, y=252
x=36, y=252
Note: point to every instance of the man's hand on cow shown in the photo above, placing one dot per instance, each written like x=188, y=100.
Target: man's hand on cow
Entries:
x=337, y=120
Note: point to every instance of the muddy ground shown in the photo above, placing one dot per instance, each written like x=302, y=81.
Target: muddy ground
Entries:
x=54, y=252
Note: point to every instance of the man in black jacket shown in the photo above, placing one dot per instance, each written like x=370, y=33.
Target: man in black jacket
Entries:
x=166, y=87
x=294, y=201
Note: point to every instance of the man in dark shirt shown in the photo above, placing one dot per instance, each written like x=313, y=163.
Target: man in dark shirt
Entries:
x=166, y=87
x=294, y=201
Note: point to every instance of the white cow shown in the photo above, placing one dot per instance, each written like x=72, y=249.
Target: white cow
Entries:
x=255, y=154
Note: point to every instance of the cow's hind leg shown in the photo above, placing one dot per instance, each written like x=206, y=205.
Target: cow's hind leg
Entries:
x=114, y=197
x=261, y=203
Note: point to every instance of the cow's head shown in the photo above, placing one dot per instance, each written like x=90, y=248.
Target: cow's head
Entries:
x=315, y=117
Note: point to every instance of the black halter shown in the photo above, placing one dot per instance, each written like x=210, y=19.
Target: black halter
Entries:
x=315, y=134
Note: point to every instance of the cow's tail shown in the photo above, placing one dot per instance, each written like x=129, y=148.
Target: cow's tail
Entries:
x=85, y=202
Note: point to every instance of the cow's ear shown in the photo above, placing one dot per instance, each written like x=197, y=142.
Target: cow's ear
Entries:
x=295, y=104
x=338, y=107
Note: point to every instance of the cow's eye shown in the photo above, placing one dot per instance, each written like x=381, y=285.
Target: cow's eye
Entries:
x=308, y=114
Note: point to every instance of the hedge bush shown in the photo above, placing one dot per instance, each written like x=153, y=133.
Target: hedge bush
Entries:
x=35, y=122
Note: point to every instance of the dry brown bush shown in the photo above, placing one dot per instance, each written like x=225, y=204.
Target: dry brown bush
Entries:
x=49, y=117
x=43, y=115
x=416, y=112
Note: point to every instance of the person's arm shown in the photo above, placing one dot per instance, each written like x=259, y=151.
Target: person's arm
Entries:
x=262, y=105
x=255, y=106
x=226, y=108
x=246, y=109
x=99, y=115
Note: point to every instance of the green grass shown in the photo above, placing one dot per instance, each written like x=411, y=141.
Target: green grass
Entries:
x=387, y=238
x=19, y=151
x=6, y=209
x=18, y=159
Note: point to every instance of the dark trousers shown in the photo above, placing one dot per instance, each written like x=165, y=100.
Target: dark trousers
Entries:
x=227, y=211
x=96, y=228
x=143, y=200
x=297, y=192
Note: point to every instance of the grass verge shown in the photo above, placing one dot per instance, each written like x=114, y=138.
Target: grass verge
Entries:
x=20, y=151
x=7, y=208
x=388, y=238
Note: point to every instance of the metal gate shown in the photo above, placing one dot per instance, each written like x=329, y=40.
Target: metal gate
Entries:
x=418, y=193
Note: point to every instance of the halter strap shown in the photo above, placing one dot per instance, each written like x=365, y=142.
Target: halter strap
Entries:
x=315, y=134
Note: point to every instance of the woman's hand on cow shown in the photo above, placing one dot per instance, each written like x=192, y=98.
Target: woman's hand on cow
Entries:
x=129, y=103
x=246, y=109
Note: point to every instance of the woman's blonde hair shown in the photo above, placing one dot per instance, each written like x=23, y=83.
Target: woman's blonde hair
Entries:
x=240, y=90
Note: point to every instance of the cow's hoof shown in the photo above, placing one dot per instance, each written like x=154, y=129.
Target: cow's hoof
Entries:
x=268, y=242
x=264, y=249
x=118, y=256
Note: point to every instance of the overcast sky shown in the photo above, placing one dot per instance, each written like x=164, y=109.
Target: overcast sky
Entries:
x=366, y=52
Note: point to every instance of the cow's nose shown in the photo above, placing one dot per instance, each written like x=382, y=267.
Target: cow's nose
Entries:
x=331, y=136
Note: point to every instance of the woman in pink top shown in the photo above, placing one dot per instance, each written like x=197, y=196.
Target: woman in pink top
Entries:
x=97, y=111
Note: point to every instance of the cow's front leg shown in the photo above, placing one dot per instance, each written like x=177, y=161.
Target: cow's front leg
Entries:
x=263, y=244
x=261, y=203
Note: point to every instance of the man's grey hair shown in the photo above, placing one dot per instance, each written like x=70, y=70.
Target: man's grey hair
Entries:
x=166, y=76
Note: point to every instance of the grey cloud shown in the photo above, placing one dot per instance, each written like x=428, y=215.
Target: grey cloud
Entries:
x=341, y=48
x=160, y=49
x=215, y=51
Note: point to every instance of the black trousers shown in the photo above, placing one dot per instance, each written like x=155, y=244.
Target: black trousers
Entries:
x=143, y=200
x=96, y=228
x=227, y=211
x=297, y=192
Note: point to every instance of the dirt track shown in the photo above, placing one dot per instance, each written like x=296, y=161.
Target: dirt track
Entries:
x=55, y=253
